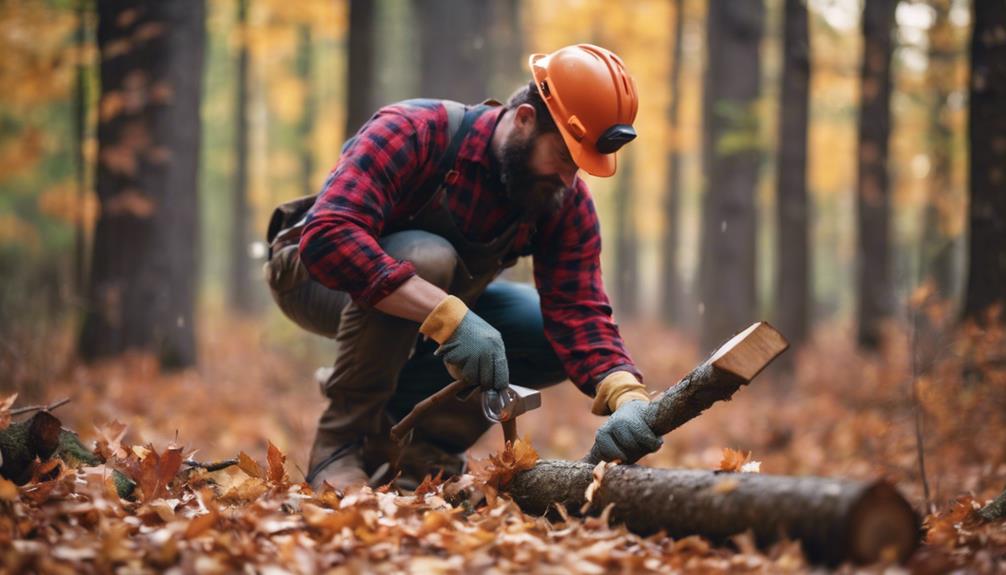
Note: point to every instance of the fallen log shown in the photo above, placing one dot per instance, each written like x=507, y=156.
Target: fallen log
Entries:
x=835, y=520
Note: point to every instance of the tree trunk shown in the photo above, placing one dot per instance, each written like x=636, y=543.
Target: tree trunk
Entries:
x=793, y=273
x=241, y=297
x=361, y=73
x=874, y=294
x=80, y=135
x=454, y=60
x=671, y=296
x=938, y=253
x=509, y=70
x=142, y=286
x=835, y=520
x=626, y=242
x=987, y=129
x=731, y=156
x=305, y=63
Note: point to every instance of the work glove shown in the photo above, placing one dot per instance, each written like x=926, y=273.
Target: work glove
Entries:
x=626, y=436
x=469, y=344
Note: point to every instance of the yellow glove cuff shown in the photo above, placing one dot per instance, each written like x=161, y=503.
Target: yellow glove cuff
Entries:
x=617, y=388
x=444, y=319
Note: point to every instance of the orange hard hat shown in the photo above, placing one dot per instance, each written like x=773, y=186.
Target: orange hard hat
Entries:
x=592, y=99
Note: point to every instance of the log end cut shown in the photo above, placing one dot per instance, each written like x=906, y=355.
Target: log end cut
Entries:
x=748, y=352
x=882, y=526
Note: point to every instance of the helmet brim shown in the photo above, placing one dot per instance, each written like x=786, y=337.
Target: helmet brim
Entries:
x=586, y=157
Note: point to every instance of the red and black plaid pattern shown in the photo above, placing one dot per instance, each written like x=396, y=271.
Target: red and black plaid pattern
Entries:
x=378, y=183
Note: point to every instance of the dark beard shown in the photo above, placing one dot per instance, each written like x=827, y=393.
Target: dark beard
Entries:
x=536, y=195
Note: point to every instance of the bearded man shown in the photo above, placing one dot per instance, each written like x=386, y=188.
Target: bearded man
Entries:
x=397, y=257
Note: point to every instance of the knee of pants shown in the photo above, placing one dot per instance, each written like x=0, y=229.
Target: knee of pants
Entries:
x=434, y=257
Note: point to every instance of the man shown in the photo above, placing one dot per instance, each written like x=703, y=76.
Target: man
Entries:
x=396, y=260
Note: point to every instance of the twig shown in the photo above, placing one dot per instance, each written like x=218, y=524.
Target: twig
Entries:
x=30, y=408
x=213, y=465
x=917, y=406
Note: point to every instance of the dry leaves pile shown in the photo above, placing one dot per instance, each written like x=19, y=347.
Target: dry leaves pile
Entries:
x=842, y=416
x=190, y=520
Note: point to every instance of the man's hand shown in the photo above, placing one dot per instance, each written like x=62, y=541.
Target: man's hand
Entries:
x=476, y=350
x=468, y=343
x=626, y=435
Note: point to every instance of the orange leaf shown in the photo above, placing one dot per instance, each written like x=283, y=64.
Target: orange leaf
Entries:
x=249, y=466
x=110, y=444
x=733, y=460
x=5, y=405
x=277, y=471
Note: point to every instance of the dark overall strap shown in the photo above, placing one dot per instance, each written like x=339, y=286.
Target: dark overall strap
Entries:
x=459, y=122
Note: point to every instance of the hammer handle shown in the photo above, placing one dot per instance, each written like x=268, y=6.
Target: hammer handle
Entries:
x=403, y=427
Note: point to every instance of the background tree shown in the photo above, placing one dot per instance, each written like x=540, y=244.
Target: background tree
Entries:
x=142, y=287
x=670, y=281
x=793, y=274
x=987, y=129
x=454, y=34
x=360, y=77
x=874, y=289
x=730, y=157
x=241, y=296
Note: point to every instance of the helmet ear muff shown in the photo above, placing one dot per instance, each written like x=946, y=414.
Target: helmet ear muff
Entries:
x=615, y=137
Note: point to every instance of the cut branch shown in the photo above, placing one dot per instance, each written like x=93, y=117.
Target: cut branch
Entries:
x=835, y=520
x=731, y=366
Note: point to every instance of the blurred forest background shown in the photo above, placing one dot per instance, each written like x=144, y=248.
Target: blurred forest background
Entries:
x=833, y=166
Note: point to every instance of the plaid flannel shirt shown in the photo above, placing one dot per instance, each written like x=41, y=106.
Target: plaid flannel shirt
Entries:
x=376, y=184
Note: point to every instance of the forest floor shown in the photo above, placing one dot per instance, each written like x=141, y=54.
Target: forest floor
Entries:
x=840, y=415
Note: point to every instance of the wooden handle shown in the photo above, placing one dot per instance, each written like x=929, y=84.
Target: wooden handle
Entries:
x=403, y=427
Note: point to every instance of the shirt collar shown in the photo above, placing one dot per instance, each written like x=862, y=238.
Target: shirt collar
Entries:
x=475, y=148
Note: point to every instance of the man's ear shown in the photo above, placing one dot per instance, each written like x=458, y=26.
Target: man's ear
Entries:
x=525, y=118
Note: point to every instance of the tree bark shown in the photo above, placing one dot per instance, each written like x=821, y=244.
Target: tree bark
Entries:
x=835, y=520
x=671, y=293
x=142, y=286
x=874, y=293
x=793, y=271
x=987, y=132
x=241, y=296
x=454, y=36
x=731, y=156
x=361, y=77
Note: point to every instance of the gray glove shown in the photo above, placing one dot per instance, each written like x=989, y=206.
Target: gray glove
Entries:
x=626, y=435
x=476, y=350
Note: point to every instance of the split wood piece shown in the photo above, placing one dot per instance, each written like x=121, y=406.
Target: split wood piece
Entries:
x=731, y=366
x=835, y=520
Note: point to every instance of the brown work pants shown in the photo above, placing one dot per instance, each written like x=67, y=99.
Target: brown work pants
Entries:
x=383, y=368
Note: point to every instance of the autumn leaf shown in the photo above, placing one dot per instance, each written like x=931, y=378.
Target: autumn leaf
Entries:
x=598, y=475
x=249, y=466
x=5, y=405
x=277, y=469
x=109, y=445
x=738, y=461
x=502, y=466
x=154, y=472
